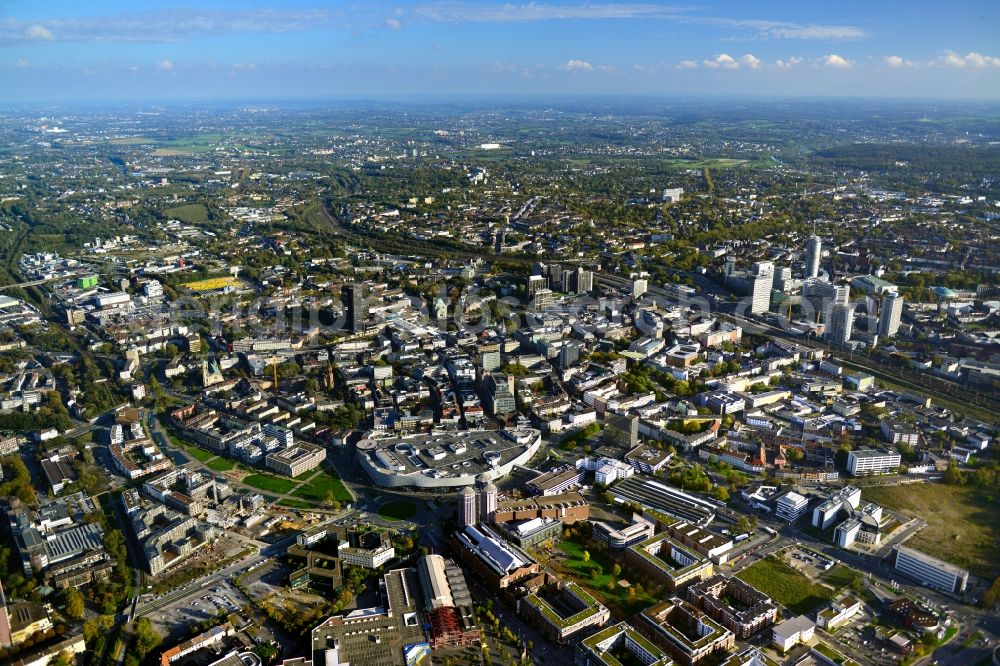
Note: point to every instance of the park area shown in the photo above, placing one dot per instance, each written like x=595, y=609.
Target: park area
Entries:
x=595, y=570
x=961, y=522
x=785, y=585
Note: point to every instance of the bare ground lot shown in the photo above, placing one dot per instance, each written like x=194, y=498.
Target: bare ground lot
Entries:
x=961, y=522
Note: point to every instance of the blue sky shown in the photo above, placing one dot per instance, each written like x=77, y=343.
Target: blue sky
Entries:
x=150, y=49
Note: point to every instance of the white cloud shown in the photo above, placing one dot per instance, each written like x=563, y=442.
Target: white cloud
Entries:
x=576, y=65
x=467, y=12
x=169, y=25
x=39, y=32
x=896, y=61
x=971, y=59
x=779, y=30
x=165, y=65
x=688, y=64
x=836, y=61
x=723, y=61
x=788, y=64
x=393, y=23
x=461, y=12
x=21, y=63
x=751, y=61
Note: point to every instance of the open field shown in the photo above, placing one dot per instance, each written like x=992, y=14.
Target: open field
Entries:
x=785, y=585
x=397, y=510
x=707, y=163
x=273, y=484
x=131, y=141
x=189, y=214
x=961, y=522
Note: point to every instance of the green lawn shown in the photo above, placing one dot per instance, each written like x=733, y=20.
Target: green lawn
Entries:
x=317, y=488
x=220, y=465
x=961, y=522
x=274, y=484
x=840, y=576
x=295, y=504
x=397, y=510
x=785, y=585
x=198, y=454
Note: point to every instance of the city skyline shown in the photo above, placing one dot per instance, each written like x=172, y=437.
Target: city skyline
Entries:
x=229, y=50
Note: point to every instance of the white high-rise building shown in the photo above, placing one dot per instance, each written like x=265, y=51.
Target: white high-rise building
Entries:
x=639, y=287
x=814, y=250
x=888, y=319
x=761, y=281
x=841, y=324
x=467, y=506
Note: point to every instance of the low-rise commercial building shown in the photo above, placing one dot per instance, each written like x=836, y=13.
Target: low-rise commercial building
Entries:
x=791, y=632
x=738, y=606
x=599, y=649
x=296, y=459
x=562, y=611
x=790, y=506
x=929, y=571
x=688, y=634
x=839, y=611
x=668, y=562
x=864, y=462
x=499, y=563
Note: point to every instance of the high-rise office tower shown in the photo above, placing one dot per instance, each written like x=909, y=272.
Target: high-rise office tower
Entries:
x=841, y=324
x=888, y=318
x=814, y=250
x=488, y=506
x=761, y=281
x=355, y=306
x=499, y=240
x=823, y=295
x=467, y=506
x=584, y=280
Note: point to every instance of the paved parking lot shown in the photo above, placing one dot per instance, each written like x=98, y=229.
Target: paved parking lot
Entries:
x=177, y=618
